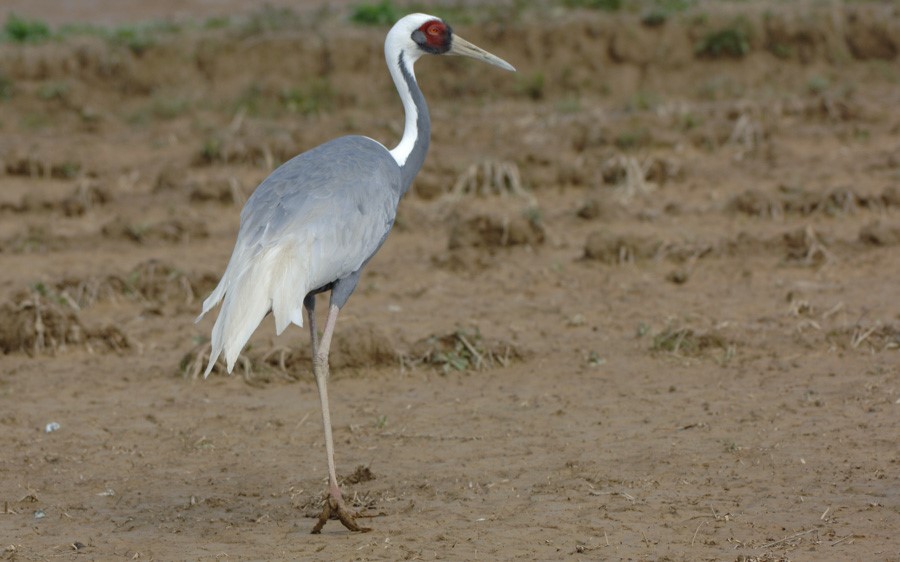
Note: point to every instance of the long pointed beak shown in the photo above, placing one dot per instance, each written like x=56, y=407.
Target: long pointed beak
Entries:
x=460, y=46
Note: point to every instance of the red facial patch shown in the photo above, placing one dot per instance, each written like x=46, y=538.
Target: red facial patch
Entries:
x=436, y=33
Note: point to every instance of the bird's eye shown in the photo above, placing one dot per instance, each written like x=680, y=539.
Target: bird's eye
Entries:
x=434, y=30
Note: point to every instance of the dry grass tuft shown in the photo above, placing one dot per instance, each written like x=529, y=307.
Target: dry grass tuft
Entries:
x=461, y=351
x=170, y=230
x=687, y=342
x=874, y=338
x=805, y=247
x=798, y=201
x=489, y=178
x=38, y=325
x=614, y=249
x=151, y=282
x=496, y=231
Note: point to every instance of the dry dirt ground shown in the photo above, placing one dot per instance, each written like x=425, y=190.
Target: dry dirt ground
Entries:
x=677, y=341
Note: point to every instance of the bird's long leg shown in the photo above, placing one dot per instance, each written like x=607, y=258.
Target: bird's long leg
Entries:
x=334, y=503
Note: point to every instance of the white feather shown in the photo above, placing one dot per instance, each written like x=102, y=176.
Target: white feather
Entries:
x=289, y=284
x=274, y=279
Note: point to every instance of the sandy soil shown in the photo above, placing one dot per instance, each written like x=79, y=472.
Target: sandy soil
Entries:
x=679, y=341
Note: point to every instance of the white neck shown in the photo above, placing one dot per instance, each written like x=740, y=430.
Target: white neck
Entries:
x=398, y=43
x=410, y=131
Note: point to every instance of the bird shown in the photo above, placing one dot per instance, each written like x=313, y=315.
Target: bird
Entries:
x=315, y=222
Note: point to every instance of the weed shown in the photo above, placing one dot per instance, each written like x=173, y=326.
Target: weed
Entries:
x=673, y=6
x=687, y=342
x=642, y=330
x=20, y=30
x=270, y=19
x=211, y=150
x=250, y=100
x=457, y=13
x=461, y=351
x=142, y=37
x=169, y=108
x=631, y=139
x=688, y=121
x=781, y=50
x=382, y=13
x=68, y=170
x=52, y=295
x=40, y=288
x=661, y=10
x=315, y=97
x=137, y=38
x=595, y=360
x=643, y=101
x=35, y=238
x=817, y=84
x=35, y=121
x=217, y=23
x=533, y=215
x=732, y=41
x=654, y=18
x=6, y=86
x=569, y=104
x=532, y=86
x=720, y=87
x=54, y=91
x=605, y=5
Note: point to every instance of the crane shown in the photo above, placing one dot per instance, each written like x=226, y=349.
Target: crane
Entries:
x=316, y=221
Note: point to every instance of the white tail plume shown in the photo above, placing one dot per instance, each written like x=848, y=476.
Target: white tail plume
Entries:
x=275, y=279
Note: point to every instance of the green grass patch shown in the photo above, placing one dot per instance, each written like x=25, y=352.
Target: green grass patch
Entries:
x=35, y=121
x=659, y=11
x=732, y=41
x=169, y=107
x=54, y=91
x=532, y=85
x=217, y=23
x=138, y=38
x=251, y=100
x=317, y=96
x=688, y=121
x=642, y=100
x=604, y=5
x=270, y=19
x=633, y=139
x=817, y=84
x=382, y=13
x=7, y=86
x=21, y=30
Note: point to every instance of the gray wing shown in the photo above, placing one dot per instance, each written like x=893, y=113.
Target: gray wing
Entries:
x=339, y=198
x=315, y=220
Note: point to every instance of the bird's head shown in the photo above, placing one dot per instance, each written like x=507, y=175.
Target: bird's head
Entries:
x=420, y=34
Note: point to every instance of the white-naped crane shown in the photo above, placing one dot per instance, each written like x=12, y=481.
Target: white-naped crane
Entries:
x=314, y=223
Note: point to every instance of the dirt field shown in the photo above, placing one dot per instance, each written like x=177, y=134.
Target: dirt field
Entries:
x=640, y=304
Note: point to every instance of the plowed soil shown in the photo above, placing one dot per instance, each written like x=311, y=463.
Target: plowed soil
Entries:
x=640, y=304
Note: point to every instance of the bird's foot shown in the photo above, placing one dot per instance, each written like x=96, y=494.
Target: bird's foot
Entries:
x=335, y=508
